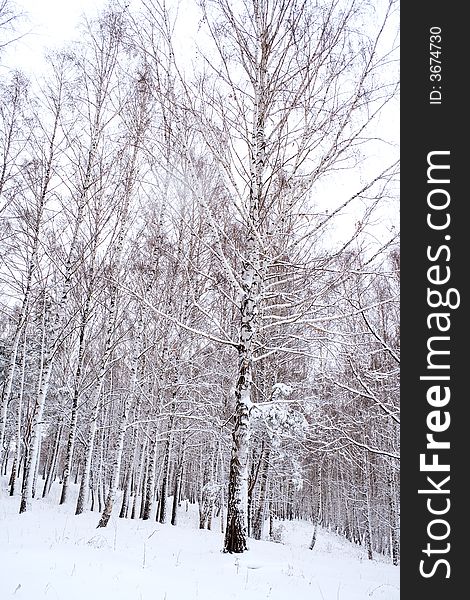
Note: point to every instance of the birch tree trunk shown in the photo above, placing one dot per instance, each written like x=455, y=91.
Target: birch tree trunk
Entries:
x=16, y=462
x=367, y=511
x=177, y=488
x=50, y=477
x=46, y=367
x=393, y=516
x=130, y=476
x=149, y=487
x=116, y=251
x=259, y=519
x=127, y=403
x=162, y=513
x=317, y=504
x=10, y=374
x=116, y=469
x=82, y=202
x=139, y=482
x=237, y=510
x=75, y=399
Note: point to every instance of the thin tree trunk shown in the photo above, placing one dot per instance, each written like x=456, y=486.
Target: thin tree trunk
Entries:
x=149, y=491
x=85, y=479
x=368, y=516
x=76, y=396
x=177, y=488
x=129, y=477
x=9, y=378
x=128, y=401
x=126, y=494
x=96, y=395
x=139, y=483
x=166, y=470
x=36, y=470
x=33, y=454
x=394, y=541
x=53, y=463
x=222, y=504
x=143, y=492
x=116, y=471
x=16, y=462
x=317, y=507
x=261, y=512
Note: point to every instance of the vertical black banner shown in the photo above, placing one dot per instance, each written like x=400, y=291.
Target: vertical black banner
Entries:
x=435, y=323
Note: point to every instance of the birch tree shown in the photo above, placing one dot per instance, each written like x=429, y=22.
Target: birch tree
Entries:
x=292, y=81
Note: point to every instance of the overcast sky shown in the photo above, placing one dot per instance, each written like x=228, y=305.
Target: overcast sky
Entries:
x=46, y=24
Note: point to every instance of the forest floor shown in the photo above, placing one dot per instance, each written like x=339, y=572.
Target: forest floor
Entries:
x=51, y=554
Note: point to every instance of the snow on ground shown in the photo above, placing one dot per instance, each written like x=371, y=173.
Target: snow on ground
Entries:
x=52, y=554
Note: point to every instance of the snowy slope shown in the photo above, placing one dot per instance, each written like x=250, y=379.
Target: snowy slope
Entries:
x=52, y=554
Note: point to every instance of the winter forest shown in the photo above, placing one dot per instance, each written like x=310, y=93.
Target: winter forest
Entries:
x=199, y=282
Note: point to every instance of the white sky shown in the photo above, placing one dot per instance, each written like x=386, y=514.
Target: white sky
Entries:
x=46, y=24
